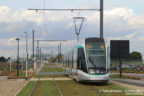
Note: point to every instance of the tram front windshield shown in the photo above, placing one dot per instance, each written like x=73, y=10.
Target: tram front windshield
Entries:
x=96, y=58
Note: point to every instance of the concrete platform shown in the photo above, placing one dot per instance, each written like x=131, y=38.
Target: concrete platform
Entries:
x=51, y=66
x=50, y=73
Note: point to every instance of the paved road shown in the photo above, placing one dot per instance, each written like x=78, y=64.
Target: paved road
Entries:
x=131, y=82
x=132, y=74
x=3, y=77
x=11, y=87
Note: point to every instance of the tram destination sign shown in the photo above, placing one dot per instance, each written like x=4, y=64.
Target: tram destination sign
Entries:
x=119, y=49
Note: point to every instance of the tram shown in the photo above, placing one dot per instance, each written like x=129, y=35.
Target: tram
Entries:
x=88, y=61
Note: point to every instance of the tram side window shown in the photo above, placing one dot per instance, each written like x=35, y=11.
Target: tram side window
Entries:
x=81, y=60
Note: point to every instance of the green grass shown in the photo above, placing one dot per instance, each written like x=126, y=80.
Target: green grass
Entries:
x=72, y=88
x=69, y=87
x=27, y=89
x=126, y=77
x=117, y=76
x=51, y=70
x=46, y=88
x=128, y=70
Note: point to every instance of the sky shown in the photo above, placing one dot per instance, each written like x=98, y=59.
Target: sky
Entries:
x=123, y=20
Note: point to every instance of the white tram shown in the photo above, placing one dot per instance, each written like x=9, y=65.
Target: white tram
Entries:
x=88, y=62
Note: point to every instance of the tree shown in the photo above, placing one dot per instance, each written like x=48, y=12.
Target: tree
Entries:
x=136, y=55
x=3, y=59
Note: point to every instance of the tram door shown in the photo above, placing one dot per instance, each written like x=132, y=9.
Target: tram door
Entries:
x=81, y=60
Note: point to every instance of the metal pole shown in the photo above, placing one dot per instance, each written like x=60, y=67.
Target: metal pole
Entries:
x=17, y=67
x=37, y=53
x=101, y=18
x=26, y=55
x=120, y=68
x=40, y=56
x=33, y=48
x=36, y=60
x=60, y=48
x=18, y=58
x=78, y=38
x=52, y=53
x=10, y=63
x=60, y=53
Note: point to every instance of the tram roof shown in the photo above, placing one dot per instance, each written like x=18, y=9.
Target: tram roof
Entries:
x=77, y=46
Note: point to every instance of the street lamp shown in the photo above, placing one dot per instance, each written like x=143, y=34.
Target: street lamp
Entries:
x=26, y=55
x=17, y=66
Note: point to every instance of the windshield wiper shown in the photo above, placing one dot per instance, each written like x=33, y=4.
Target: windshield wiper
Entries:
x=92, y=62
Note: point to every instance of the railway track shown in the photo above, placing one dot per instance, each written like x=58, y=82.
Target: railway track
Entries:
x=35, y=86
x=33, y=89
x=60, y=93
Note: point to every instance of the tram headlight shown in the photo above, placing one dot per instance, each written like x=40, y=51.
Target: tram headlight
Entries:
x=92, y=71
x=97, y=71
x=102, y=72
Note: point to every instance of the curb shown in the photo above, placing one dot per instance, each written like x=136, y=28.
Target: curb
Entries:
x=20, y=89
x=132, y=87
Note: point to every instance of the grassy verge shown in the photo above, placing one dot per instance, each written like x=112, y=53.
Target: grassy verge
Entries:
x=126, y=77
x=21, y=75
x=13, y=74
x=27, y=89
x=137, y=71
x=72, y=88
x=6, y=73
x=46, y=88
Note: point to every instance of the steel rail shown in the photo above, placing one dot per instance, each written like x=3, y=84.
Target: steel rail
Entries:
x=32, y=92
x=60, y=93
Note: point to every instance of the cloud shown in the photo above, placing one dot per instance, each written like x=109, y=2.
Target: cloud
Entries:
x=119, y=23
x=131, y=35
x=136, y=22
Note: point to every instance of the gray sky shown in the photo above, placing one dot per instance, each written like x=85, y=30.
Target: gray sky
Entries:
x=123, y=19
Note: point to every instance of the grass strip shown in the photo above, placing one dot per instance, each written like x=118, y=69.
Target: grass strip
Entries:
x=72, y=88
x=46, y=88
x=126, y=77
x=27, y=89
